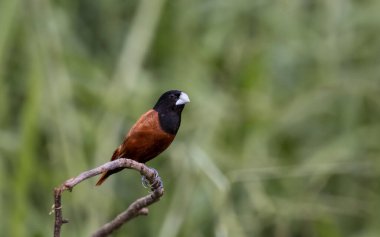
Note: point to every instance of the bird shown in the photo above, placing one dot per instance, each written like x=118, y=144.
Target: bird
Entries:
x=153, y=132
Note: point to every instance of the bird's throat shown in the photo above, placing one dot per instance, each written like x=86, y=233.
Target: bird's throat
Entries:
x=170, y=121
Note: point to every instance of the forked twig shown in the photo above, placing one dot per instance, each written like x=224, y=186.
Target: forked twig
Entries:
x=137, y=208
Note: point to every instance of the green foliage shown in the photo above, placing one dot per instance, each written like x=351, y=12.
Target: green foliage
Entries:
x=281, y=137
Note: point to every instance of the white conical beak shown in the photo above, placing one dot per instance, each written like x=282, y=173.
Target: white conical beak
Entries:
x=183, y=99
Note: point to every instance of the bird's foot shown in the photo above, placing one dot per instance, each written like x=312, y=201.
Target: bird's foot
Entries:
x=157, y=180
x=145, y=182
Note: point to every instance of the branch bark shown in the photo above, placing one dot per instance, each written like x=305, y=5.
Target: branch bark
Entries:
x=137, y=208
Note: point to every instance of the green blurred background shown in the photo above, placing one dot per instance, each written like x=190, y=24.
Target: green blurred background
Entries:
x=281, y=138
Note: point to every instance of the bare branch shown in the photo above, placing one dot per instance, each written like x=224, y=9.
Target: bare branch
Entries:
x=59, y=221
x=137, y=208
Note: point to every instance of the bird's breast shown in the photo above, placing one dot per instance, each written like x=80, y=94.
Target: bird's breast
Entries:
x=146, y=139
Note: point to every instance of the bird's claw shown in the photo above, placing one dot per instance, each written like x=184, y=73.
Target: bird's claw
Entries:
x=146, y=183
x=155, y=172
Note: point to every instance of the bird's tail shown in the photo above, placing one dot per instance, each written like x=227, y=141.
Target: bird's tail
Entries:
x=103, y=178
x=106, y=174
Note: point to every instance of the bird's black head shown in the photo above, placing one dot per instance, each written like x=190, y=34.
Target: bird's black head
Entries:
x=169, y=107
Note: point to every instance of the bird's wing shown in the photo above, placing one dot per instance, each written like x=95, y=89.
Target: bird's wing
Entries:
x=145, y=124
